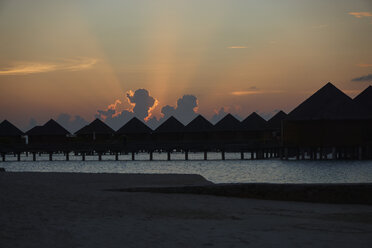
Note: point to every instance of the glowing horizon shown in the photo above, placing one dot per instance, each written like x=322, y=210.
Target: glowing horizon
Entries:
x=79, y=57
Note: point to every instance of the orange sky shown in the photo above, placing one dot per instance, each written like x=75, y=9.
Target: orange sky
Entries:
x=80, y=56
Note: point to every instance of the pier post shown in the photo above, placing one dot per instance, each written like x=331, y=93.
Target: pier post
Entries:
x=223, y=155
x=298, y=154
x=3, y=156
x=99, y=156
x=360, y=153
x=34, y=156
x=26, y=154
x=83, y=156
x=286, y=153
x=205, y=155
x=252, y=155
x=50, y=156
x=67, y=156
x=333, y=153
x=186, y=155
x=133, y=157
x=116, y=156
x=18, y=156
x=168, y=156
x=242, y=155
x=151, y=155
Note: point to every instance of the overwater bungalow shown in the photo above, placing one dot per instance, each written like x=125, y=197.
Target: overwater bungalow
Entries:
x=227, y=130
x=135, y=132
x=49, y=133
x=169, y=133
x=198, y=132
x=274, y=125
x=97, y=130
x=327, y=119
x=10, y=134
x=254, y=130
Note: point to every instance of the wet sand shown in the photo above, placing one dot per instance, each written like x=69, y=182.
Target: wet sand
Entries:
x=76, y=210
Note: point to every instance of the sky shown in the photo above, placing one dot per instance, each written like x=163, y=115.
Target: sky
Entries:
x=78, y=60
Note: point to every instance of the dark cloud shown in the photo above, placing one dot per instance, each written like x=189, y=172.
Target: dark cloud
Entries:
x=143, y=103
x=185, y=111
x=367, y=78
x=222, y=113
x=218, y=116
x=71, y=124
x=32, y=123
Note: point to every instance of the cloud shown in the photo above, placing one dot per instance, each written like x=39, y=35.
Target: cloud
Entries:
x=141, y=105
x=367, y=78
x=25, y=68
x=185, y=111
x=218, y=115
x=361, y=14
x=71, y=124
x=237, y=47
x=32, y=123
x=254, y=91
x=364, y=65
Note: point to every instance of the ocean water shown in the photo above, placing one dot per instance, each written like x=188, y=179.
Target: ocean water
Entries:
x=231, y=170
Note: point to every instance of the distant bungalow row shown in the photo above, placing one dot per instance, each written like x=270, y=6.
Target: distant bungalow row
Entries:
x=329, y=124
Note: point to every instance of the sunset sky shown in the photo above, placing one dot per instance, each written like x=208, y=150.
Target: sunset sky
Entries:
x=80, y=56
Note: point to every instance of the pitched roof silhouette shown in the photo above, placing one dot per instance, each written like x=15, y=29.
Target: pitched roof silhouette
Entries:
x=97, y=126
x=328, y=103
x=254, y=122
x=171, y=125
x=48, y=129
x=134, y=126
x=275, y=122
x=365, y=99
x=199, y=124
x=228, y=123
x=8, y=129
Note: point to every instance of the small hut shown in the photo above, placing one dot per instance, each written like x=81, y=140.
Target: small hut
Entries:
x=10, y=134
x=198, y=131
x=50, y=133
x=97, y=130
x=170, y=132
x=327, y=118
x=227, y=130
x=135, y=132
x=254, y=130
x=274, y=125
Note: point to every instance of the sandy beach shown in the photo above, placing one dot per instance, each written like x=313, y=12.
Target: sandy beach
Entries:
x=75, y=210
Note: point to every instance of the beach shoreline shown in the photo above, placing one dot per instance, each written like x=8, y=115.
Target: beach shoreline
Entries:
x=76, y=210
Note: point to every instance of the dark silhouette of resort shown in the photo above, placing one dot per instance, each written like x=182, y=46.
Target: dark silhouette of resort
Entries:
x=328, y=125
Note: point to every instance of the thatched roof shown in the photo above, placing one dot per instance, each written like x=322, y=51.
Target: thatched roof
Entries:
x=134, y=126
x=365, y=99
x=228, y=123
x=97, y=126
x=328, y=103
x=254, y=122
x=275, y=122
x=8, y=129
x=171, y=125
x=51, y=128
x=199, y=124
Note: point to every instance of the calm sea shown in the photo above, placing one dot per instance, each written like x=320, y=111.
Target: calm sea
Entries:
x=232, y=170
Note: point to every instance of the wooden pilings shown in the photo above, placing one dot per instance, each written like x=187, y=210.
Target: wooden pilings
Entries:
x=168, y=155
